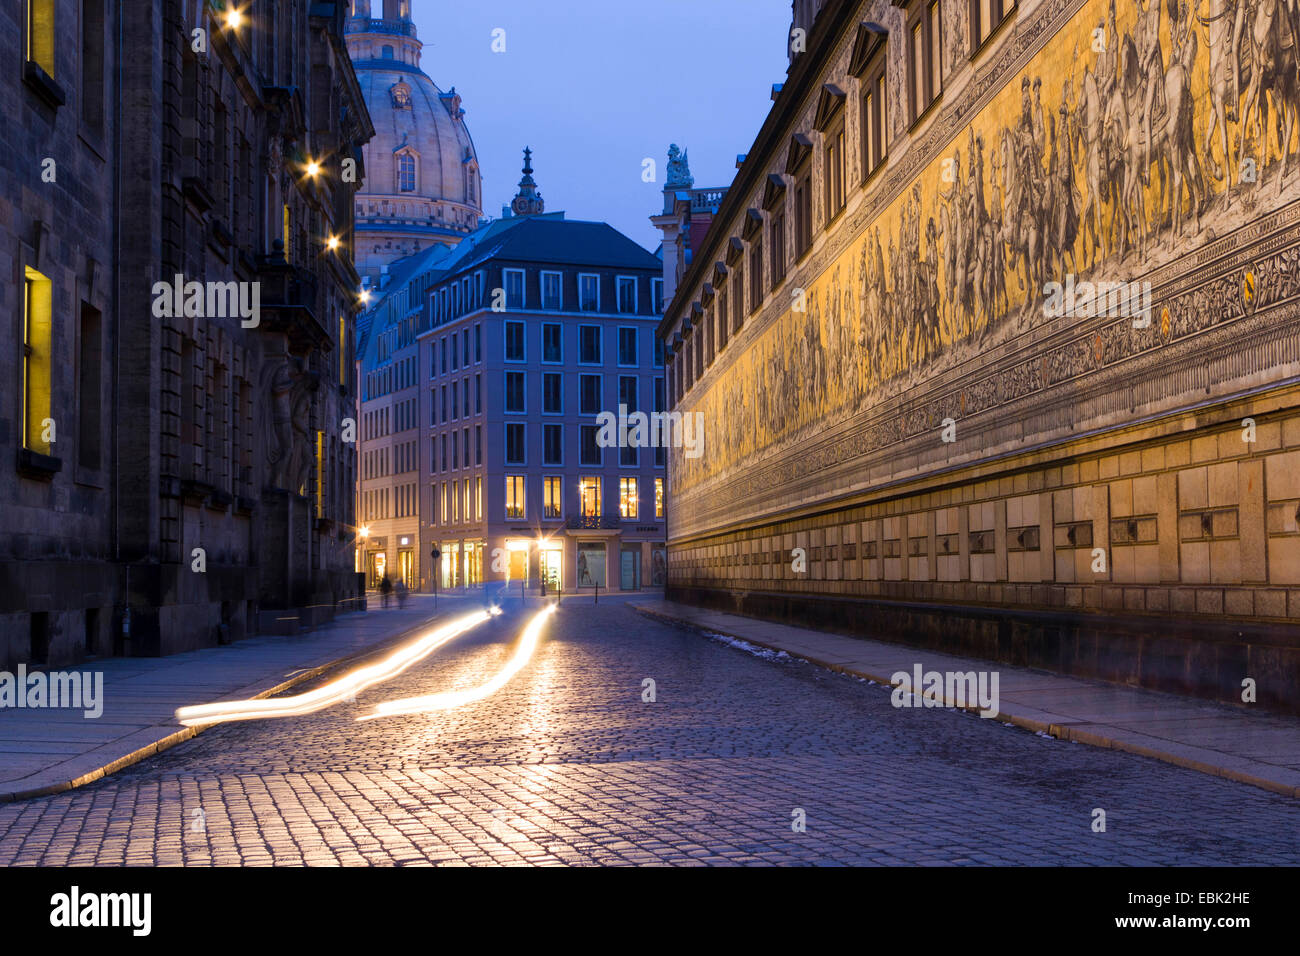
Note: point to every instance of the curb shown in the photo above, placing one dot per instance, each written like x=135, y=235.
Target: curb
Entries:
x=1060, y=731
x=188, y=733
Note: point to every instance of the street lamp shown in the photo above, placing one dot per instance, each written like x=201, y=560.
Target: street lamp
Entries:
x=332, y=242
x=234, y=18
x=313, y=168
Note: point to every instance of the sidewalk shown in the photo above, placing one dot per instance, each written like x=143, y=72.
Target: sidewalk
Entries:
x=1249, y=747
x=45, y=751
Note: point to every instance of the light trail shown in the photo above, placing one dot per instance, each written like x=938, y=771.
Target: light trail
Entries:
x=336, y=691
x=457, y=698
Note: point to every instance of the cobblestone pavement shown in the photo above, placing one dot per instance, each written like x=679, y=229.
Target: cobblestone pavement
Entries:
x=568, y=765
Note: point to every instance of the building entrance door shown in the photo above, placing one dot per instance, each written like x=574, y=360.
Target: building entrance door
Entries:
x=630, y=568
x=405, y=567
x=378, y=565
x=552, y=563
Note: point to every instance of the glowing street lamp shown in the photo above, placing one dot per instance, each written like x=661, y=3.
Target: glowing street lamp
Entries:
x=313, y=168
x=332, y=242
x=234, y=18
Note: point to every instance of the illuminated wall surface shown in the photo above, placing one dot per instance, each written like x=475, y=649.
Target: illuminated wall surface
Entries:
x=925, y=302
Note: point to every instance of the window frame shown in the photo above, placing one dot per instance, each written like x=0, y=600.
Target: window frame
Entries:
x=588, y=275
x=619, y=282
x=523, y=340
x=559, y=282
x=506, y=276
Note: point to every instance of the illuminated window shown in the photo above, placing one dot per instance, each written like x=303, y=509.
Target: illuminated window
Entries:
x=659, y=497
x=37, y=327
x=320, y=474
x=553, y=497
x=40, y=34
x=514, y=496
x=627, y=498
x=285, y=234
x=589, y=495
x=478, y=499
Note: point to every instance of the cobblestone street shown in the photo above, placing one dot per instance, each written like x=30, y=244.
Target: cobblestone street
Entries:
x=568, y=765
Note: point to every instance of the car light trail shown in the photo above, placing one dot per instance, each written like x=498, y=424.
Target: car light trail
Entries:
x=344, y=688
x=457, y=698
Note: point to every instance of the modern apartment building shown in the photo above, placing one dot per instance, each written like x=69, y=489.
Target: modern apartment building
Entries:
x=529, y=329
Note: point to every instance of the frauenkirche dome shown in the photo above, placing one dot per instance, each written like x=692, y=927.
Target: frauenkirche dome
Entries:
x=422, y=181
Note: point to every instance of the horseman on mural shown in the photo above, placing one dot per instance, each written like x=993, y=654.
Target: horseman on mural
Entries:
x=1204, y=94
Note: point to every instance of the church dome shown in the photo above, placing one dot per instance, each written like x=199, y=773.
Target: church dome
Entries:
x=422, y=181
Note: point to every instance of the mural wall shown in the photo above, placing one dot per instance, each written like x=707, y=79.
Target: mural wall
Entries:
x=1135, y=134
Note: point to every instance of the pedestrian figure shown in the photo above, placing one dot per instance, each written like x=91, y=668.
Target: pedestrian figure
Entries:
x=400, y=588
x=385, y=589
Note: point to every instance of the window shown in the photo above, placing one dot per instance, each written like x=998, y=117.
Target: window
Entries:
x=737, y=298
x=442, y=418
x=755, y=274
x=478, y=499
x=514, y=341
x=515, y=443
x=627, y=498
x=589, y=453
x=37, y=366
x=834, y=139
x=455, y=411
x=443, y=351
x=659, y=497
x=478, y=393
x=589, y=344
x=515, y=392
x=553, y=393
x=553, y=497
x=406, y=173
x=875, y=120
x=89, y=372
x=985, y=17
x=514, y=496
x=627, y=347
x=92, y=66
x=658, y=352
x=803, y=209
x=589, y=293
x=626, y=294
x=589, y=392
x=552, y=297
x=589, y=495
x=40, y=34
x=778, y=247
x=514, y=280
x=657, y=295
x=478, y=444
x=552, y=444
x=924, y=45
x=551, y=348
x=627, y=391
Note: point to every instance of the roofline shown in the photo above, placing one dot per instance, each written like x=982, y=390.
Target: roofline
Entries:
x=800, y=82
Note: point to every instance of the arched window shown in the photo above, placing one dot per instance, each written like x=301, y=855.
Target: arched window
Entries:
x=406, y=173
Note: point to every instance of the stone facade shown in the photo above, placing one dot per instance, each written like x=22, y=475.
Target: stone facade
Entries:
x=199, y=485
x=907, y=438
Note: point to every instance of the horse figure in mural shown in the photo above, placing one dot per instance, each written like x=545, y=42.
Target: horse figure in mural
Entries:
x=1174, y=137
x=1222, y=82
x=1272, y=35
x=1023, y=228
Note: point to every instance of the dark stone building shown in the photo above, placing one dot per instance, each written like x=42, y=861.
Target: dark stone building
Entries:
x=176, y=222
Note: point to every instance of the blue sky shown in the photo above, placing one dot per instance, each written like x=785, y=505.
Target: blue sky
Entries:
x=596, y=86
